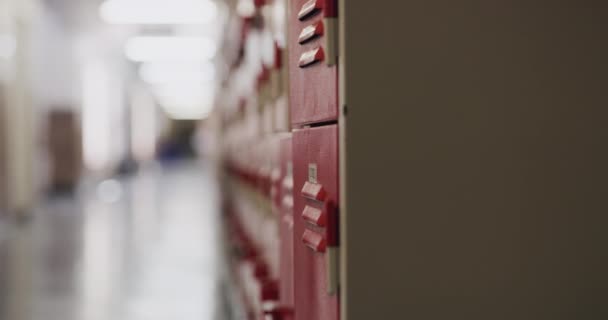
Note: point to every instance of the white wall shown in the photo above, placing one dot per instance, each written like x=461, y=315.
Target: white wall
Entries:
x=19, y=114
x=55, y=77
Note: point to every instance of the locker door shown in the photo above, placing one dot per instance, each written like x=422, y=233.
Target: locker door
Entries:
x=315, y=222
x=286, y=217
x=313, y=75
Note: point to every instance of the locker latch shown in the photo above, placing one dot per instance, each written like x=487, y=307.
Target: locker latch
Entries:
x=326, y=218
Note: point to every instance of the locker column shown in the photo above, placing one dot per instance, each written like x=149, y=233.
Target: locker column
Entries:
x=313, y=79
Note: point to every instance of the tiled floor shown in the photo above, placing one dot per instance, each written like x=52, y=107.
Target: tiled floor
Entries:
x=140, y=248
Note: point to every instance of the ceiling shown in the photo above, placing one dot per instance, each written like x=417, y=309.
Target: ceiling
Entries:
x=75, y=13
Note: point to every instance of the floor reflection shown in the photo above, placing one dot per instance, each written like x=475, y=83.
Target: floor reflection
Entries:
x=140, y=248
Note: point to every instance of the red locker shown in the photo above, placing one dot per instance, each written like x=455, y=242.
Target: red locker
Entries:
x=315, y=222
x=313, y=74
x=282, y=197
x=286, y=222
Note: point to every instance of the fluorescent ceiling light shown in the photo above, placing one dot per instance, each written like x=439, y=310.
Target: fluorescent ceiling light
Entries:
x=8, y=46
x=185, y=102
x=158, y=11
x=150, y=48
x=176, y=72
x=186, y=111
x=186, y=114
x=245, y=8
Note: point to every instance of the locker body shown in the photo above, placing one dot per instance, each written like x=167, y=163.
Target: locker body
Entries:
x=313, y=83
x=286, y=222
x=315, y=221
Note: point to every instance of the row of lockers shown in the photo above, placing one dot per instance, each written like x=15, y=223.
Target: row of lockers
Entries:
x=480, y=194
x=281, y=157
x=284, y=223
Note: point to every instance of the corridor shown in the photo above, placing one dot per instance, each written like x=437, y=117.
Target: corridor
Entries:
x=303, y=160
x=139, y=248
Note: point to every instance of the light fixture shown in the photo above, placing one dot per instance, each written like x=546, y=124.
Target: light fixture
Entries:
x=185, y=101
x=177, y=72
x=245, y=8
x=158, y=11
x=186, y=111
x=164, y=48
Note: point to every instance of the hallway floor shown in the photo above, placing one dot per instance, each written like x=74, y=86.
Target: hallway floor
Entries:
x=140, y=248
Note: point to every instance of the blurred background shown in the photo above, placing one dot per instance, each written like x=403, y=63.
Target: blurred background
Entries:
x=108, y=198
x=302, y=159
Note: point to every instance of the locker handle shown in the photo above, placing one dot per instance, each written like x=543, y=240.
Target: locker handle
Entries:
x=311, y=57
x=277, y=312
x=314, y=241
x=260, y=270
x=278, y=57
x=313, y=191
x=269, y=291
x=309, y=9
x=315, y=216
x=288, y=184
x=311, y=32
x=287, y=203
x=288, y=221
x=275, y=175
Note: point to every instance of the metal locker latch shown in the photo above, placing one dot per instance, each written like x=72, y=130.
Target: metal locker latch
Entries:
x=309, y=9
x=311, y=32
x=311, y=57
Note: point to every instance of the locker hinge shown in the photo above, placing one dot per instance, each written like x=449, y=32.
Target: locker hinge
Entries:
x=333, y=269
x=331, y=40
x=333, y=253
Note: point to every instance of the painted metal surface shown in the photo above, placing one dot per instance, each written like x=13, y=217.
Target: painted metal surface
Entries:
x=315, y=168
x=313, y=83
x=286, y=224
